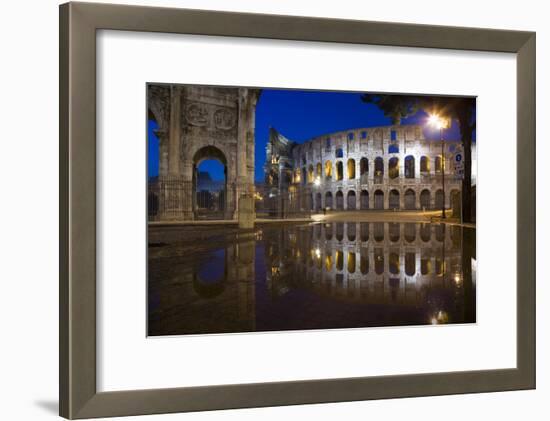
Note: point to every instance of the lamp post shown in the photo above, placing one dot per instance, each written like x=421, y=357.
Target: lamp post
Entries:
x=438, y=122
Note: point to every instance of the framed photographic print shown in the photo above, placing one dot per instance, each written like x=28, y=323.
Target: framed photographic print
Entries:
x=264, y=210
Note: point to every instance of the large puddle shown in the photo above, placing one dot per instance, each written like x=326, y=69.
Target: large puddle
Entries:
x=314, y=276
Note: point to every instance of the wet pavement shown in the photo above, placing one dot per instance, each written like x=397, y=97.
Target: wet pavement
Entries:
x=212, y=279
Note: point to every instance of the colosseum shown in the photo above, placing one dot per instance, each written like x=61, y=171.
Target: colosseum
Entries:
x=390, y=167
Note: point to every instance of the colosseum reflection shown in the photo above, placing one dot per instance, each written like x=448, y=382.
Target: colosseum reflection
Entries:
x=389, y=167
x=313, y=276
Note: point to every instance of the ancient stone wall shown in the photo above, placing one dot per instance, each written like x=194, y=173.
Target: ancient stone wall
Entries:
x=390, y=167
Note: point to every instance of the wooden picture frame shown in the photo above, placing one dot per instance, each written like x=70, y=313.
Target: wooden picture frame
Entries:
x=79, y=22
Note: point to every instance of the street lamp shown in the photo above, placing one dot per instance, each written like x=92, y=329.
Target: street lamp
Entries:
x=439, y=122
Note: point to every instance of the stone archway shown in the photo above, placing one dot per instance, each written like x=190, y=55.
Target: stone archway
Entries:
x=351, y=200
x=208, y=202
x=319, y=201
x=378, y=199
x=393, y=200
x=328, y=200
x=201, y=122
x=425, y=199
x=410, y=199
x=339, y=200
x=364, y=199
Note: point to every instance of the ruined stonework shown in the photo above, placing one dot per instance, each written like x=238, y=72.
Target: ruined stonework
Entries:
x=197, y=123
x=390, y=167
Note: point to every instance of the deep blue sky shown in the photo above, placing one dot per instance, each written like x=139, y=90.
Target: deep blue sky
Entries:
x=301, y=115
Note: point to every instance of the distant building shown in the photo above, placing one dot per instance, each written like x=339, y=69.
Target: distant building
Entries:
x=389, y=167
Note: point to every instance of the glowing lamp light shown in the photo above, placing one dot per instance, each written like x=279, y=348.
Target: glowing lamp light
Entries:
x=318, y=253
x=436, y=121
x=317, y=182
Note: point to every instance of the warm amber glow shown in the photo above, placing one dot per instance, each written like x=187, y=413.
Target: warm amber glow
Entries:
x=440, y=318
x=351, y=262
x=328, y=169
x=435, y=120
x=328, y=261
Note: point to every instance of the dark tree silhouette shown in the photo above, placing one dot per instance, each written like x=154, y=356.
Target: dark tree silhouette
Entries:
x=459, y=109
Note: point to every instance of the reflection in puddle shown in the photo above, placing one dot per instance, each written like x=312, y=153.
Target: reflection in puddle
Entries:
x=317, y=276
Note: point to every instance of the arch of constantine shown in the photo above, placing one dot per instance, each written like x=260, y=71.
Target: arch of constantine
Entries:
x=197, y=123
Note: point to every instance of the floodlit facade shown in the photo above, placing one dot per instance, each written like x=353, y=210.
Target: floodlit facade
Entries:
x=389, y=167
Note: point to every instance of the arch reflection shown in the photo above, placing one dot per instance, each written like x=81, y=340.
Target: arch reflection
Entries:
x=362, y=258
x=340, y=274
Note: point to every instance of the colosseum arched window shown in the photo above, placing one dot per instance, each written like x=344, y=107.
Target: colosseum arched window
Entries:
x=410, y=263
x=393, y=167
x=319, y=170
x=318, y=201
x=339, y=230
x=438, y=164
x=379, y=261
x=351, y=169
x=339, y=171
x=352, y=231
x=328, y=200
x=297, y=176
x=410, y=199
x=426, y=232
x=378, y=170
x=378, y=199
x=393, y=231
x=328, y=261
x=394, y=263
x=351, y=200
x=393, y=199
x=328, y=170
x=310, y=174
x=424, y=164
x=339, y=260
x=425, y=265
x=364, y=166
x=339, y=200
x=364, y=261
x=364, y=199
x=364, y=228
x=410, y=232
x=378, y=231
x=351, y=262
x=409, y=166
x=425, y=199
